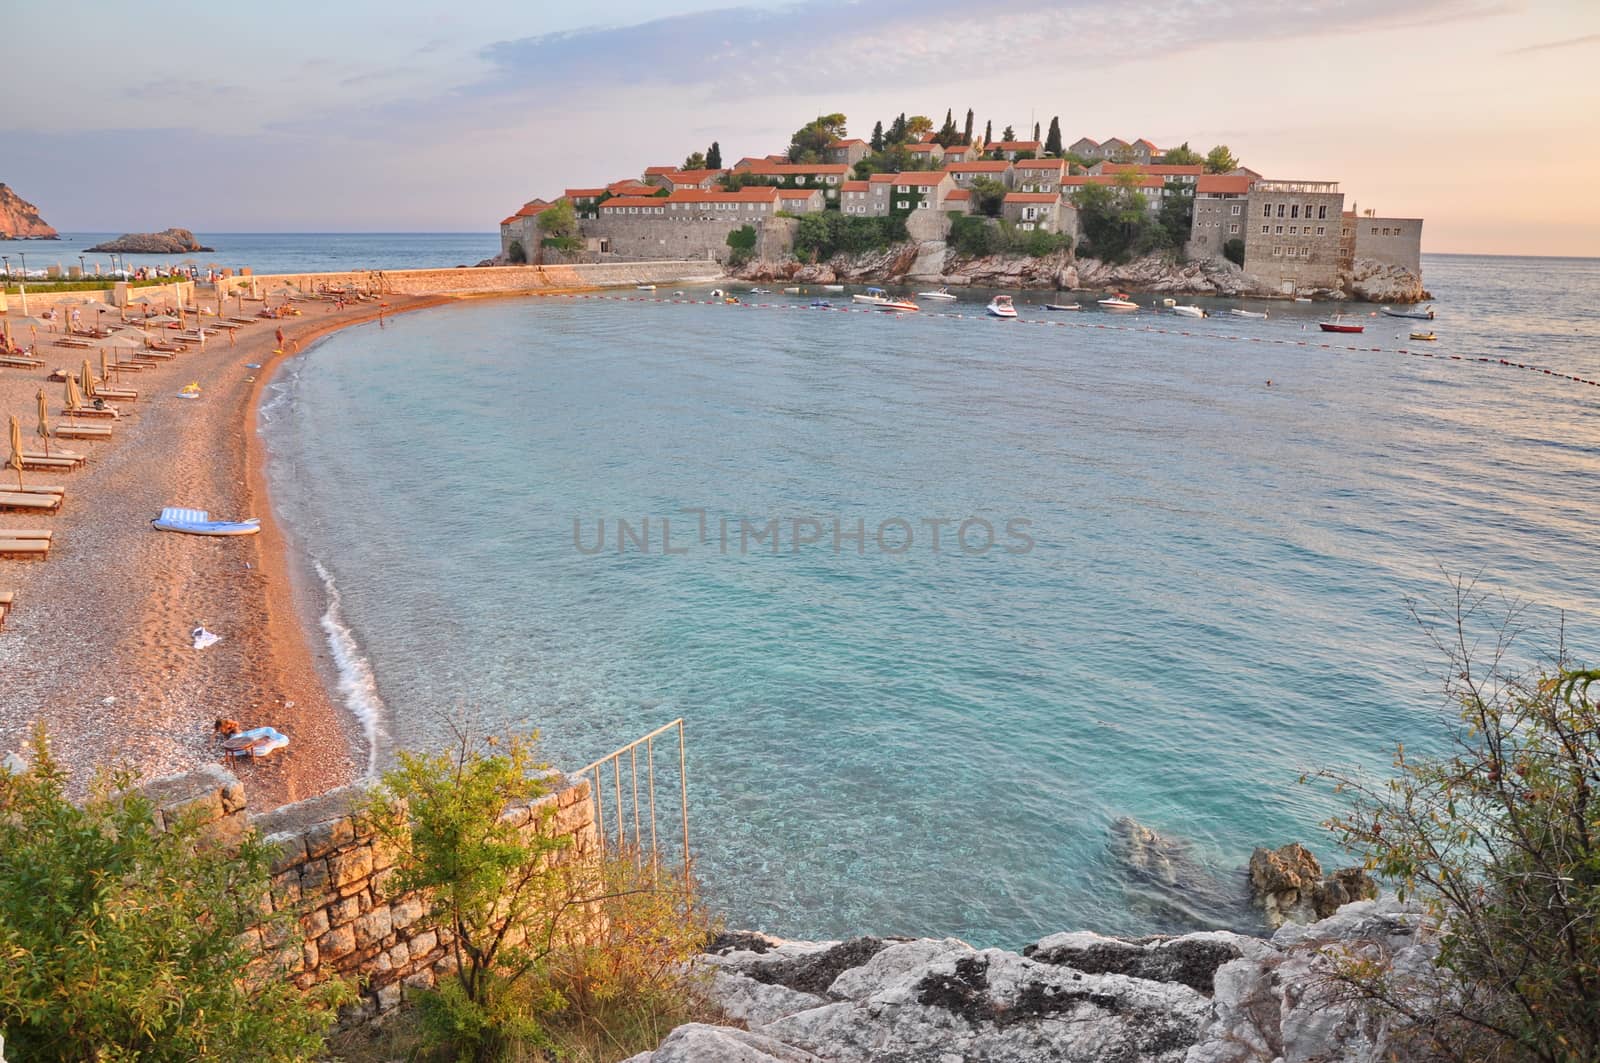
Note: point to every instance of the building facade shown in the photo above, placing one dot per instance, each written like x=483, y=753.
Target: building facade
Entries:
x=1392, y=241
x=1219, y=214
x=1292, y=234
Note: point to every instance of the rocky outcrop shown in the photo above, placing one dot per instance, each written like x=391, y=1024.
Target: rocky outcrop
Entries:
x=1169, y=887
x=166, y=242
x=1289, y=884
x=20, y=220
x=1196, y=998
x=1379, y=282
x=1159, y=273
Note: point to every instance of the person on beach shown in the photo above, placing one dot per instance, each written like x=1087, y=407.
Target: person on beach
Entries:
x=280, y=338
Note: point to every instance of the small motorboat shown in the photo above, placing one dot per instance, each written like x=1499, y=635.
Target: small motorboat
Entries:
x=793, y=291
x=1189, y=311
x=718, y=293
x=872, y=297
x=256, y=742
x=833, y=287
x=1001, y=306
x=1338, y=325
x=821, y=304
x=199, y=522
x=1302, y=298
x=1063, y=306
x=1425, y=337
x=1253, y=314
x=1425, y=314
x=942, y=295
x=1169, y=302
x=645, y=287
x=1118, y=302
x=899, y=306
x=760, y=291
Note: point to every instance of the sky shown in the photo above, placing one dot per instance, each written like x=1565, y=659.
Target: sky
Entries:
x=1481, y=116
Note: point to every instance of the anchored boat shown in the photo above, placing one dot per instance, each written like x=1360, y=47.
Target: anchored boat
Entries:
x=942, y=295
x=1339, y=325
x=1425, y=314
x=1120, y=301
x=1188, y=311
x=1237, y=312
x=1001, y=306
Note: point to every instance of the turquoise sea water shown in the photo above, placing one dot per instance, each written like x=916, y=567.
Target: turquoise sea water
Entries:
x=273, y=252
x=938, y=742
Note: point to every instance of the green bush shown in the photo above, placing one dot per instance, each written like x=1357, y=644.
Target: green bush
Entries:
x=1500, y=839
x=516, y=253
x=821, y=236
x=977, y=237
x=122, y=941
x=89, y=285
x=1233, y=251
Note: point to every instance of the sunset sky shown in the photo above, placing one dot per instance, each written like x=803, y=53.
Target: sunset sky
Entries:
x=361, y=115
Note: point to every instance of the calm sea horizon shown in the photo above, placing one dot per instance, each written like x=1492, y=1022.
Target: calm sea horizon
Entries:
x=1217, y=596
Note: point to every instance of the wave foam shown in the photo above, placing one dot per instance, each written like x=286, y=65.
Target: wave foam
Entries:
x=357, y=685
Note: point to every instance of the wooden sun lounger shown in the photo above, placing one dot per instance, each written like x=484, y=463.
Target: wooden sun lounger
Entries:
x=91, y=411
x=83, y=431
x=37, y=549
x=8, y=600
x=81, y=345
x=120, y=394
x=31, y=503
x=17, y=361
x=28, y=533
x=40, y=463
x=156, y=354
x=35, y=489
x=55, y=453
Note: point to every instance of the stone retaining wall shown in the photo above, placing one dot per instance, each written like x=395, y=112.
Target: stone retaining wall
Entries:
x=485, y=280
x=334, y=876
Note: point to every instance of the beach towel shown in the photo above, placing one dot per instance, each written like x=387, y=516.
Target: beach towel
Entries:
x=203, y=638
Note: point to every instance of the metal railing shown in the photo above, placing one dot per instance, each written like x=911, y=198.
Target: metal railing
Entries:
x=626, y=803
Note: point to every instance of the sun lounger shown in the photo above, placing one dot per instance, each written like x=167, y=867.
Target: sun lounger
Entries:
x=83, y=431
x=117, y=394
x=25, y=502
x=17, y=361
x=40, y=463
x=82, y=345
x=92, y=411
x=28, y=533
x=37, y=549
x=8, y=599
x=158, y=354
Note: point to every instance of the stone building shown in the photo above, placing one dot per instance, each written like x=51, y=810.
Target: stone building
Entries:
x=964, y=173
x=1031, y=211
x=1292, y=235
x=1219, y=214
x=849, y=152
x=1039, y=175
x=681, y=225
x=927, y=155
x=1012, y=150
x=906, y=193
x=801, y=200
x=522, y=229
x=855, y=197
x=1391, y=241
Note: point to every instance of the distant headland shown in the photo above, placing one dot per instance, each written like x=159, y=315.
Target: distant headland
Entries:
x=166, y=242
x=20, y=220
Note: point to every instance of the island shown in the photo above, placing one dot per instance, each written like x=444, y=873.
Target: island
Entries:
x=20, y=220
x=166, y=242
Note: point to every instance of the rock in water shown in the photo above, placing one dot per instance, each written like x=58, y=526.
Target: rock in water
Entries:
x=166, y=242
x=19, y=219
x=1290, y=886
x=1168, y=885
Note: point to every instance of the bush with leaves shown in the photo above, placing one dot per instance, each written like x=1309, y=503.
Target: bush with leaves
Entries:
x=1233, y=251
x=1500, y=839
x=123, y=940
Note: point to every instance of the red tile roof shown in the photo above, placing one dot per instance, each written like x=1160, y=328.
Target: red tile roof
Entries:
x=846, y=143
x=692, y=176
x=529, y=210
x=1218, y=183
x=980, y=166
x=630, y=188
x=925, y=147
x=658, y=171
x=1040, y=164
x=1149, y=145
x=753, y=194
x=1155, y=169
x=1032, y=197
x=508, y=221
x=1015, y=145
x=856, y=186
x=785, y=169
x=959, y=195
x=584, y=193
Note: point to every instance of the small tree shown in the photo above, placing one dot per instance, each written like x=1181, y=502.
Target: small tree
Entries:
x=966, y=133
x=1500, y=839
x=714, y=156
x=1182, y=155
x=124, y=940
x=1052, y=142
x=1008, y=134
x=988, y=132
x=1233, y=251
x=1036, y=131
x=516, y=253
x=948, y=135
x=988, y=196
x=813, y=138
x=877, y=137
x=559, y=220
x=919, y=124
x=696, y=161
x=743, y=242
x=1220, y=160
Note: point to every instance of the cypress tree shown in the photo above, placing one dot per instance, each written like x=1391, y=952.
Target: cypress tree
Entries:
x=714, y=156
x=1036, y=131
x=966, y=136
x=988, y=132
x=877, y=138
x=1052, y=144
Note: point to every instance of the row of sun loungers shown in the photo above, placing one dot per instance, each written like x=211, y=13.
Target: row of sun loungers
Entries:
x=32, y=500
x=22, y=545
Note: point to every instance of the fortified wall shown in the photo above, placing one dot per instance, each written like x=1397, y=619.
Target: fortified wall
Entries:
x=334, y=876
x=483, y=280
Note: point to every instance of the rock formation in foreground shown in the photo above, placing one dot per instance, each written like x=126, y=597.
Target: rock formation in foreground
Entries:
x=1208, y=997
x=166, y=242
x=20, y=220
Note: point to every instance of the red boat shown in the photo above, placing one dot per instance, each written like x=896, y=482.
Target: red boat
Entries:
x=1339, y=326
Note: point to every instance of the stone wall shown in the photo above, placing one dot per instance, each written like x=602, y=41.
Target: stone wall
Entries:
x=631, y=237
x=333, y=875
x=485, y=280
x=1391, y=241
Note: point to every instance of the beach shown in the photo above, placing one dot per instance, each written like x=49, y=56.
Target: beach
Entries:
x=99, y=646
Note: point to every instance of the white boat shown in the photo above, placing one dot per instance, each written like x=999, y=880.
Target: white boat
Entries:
x=1118, y=302
x=1302, y=298
x=257, y=742
x=646, y=287
x=833, y=287
x=1000, y=306
x=1188, y=311
x=1236, y=312
x=1063, y=306
x=872, y=297
x=760, y=291
x=1425, y=314
x=943, y=295
x=1169, y=302
x=903, y=306
x=717, y=293
x=792, y=291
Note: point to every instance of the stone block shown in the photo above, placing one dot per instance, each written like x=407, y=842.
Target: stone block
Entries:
x=373, y=927
x=325, y=837
x=383, y=882
x=233, y=798
x=312, y=956
x=406, y=911
x=419, y=981
x=313, y=879
x=351, y=866
x=286, y=889
x=388, y=996
x=336, y=943
x=400, y=954
x=423, y=944
x=345, y=910
x=288, y=850
x=315, y=923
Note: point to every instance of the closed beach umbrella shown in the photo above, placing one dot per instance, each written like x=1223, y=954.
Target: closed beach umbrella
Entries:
x=105, y=370
x=44, y=422
x=5, y=323
x=15, y=460
x=88, y=381
x=73, y=399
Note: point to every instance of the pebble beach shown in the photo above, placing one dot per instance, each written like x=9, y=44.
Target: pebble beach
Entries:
x=98, y=645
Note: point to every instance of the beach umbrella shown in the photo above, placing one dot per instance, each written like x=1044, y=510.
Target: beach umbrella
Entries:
x=74, y=400
x=88, y=381
x=105, y=370
x=15, y=461
x=44, y=422
x=5, y=323
x=34, y=325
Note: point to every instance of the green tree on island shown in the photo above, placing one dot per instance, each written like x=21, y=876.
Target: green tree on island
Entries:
x=966, y=133
x=1052, y=141
x=696, y=161
x=988, y=132
x=948, y=135
x=1182, y=156
x=122, y=939
x=559, y=223
x=714, y=156
x=1220, y=160
x=811, y=140
x=1036, y=132
x=1008, y=134
x=918, y=125
x=988, y=196
x=876, y=143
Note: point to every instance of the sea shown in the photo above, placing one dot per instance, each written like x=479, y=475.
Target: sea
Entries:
x=267, y=252
x=947, y=602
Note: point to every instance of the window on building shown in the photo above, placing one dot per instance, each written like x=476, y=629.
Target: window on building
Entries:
x=902, y=204
x=1277, y=230
x=1322, y=212
x=1277, y=252
x=1294, y=210
x=1237, y=210
x=1294, y=229
x=1322, y=230
x=1265, y=229
x=1374, y=230
x=903, y=188
x=1266, y=210
x=1280, y=210
x=1308, y=210
x=1305, y=252
x=1291, y=252
x=1233, y=230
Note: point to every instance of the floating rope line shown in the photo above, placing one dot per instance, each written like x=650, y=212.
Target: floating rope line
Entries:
x=1148, y=329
